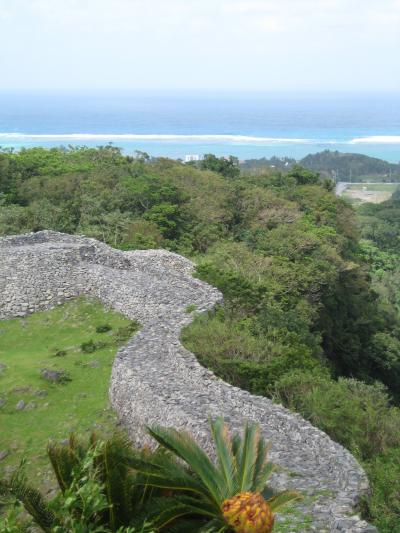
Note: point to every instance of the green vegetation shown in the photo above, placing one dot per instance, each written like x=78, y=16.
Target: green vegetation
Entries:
x=228, y=167
x=384, y=475
x=338, y=165
x=380, y=227
x=78, y=400
x=311, y=287
x=358, y=415
x=263, y=165
x=110, y=486
x=348, y=167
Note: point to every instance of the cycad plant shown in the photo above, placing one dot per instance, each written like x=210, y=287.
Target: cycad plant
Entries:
x=97, y=489
x=225, y=495
x=108, y=486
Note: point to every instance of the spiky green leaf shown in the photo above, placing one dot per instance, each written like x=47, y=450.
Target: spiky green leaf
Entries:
x=247, y=456
x=225, y=456
x=184, y=446
x=282, y=499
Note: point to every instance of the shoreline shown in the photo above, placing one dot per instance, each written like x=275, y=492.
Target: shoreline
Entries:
x=177, y=149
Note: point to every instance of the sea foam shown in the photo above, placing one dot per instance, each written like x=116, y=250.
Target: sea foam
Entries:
x=377, y=139
x=243, y=139
x=192, y=138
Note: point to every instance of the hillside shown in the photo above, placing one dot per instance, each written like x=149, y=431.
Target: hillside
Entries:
x=335, y=165
x=350, y=167
x=154, y=379
x=303, y=321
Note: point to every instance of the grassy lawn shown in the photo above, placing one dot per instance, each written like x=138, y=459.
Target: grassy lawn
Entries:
x=370, y=192
x=52, y=340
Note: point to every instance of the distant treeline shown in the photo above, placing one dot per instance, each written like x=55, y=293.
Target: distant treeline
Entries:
x=336, y=165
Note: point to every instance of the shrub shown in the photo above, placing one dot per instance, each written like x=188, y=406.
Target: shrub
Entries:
x=59, y=353
x=103, y=328
x=124, y=333
x=384, y=505
x=141, y=235
x=91, y=346
x=241, y=354
x=357, y=415
x=235, y=287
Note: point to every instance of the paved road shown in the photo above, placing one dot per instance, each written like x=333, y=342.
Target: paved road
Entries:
x=341, y=186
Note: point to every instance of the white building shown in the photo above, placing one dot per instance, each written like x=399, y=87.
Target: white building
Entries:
x=192, y=157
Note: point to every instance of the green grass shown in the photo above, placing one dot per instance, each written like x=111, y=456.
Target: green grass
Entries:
x=293, y=519
x=30, y=344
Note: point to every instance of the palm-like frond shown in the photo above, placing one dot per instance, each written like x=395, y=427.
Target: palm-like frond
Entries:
x=194, y=526
x=161, y=470
x=114, y=473
x=263, y=468
x=214, y=526
x=201, y=486
x=283, y=498
x=225, y=456
x=31, y=499
x=185, y=447
x=112, y=469
x=165, y=512
x=247, y=457
x=64, y=459
x=177, y=486
x=175, y=482
x=242, y=460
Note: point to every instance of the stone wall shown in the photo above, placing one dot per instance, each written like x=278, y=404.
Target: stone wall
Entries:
x=156, y=380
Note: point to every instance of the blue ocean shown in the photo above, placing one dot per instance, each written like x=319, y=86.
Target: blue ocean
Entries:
x=179, y=123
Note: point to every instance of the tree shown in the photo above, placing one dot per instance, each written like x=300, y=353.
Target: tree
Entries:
x=227, y=166
x=303, y=176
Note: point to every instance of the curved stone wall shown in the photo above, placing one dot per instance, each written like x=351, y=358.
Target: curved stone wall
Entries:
x=156, y=380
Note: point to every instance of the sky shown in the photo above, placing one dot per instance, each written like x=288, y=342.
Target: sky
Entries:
x=276, y=45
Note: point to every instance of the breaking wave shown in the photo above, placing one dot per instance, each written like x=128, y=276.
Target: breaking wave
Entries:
x=203, y=138
x=377, y=139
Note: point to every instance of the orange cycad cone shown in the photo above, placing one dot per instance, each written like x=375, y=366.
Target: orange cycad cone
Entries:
x=248, y=512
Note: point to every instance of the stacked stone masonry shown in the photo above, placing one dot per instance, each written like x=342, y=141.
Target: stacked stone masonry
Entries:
x=156, y=380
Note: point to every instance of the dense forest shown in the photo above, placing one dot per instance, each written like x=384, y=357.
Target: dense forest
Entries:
x=311, y=287
x=337, y=165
